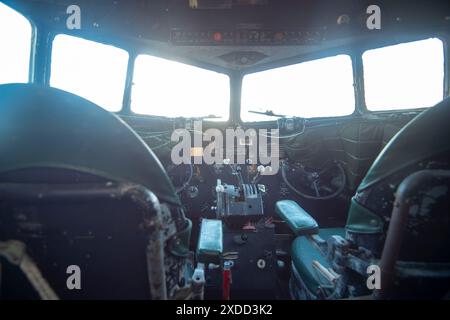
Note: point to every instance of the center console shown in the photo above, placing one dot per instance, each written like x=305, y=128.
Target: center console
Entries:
x=247, y=257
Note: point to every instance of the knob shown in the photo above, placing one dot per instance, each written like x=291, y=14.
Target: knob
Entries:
x=261, y=264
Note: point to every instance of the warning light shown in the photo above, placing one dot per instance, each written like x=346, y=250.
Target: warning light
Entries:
x=279, y=36
x=217, y=36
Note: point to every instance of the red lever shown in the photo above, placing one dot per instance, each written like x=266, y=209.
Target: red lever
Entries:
x=226, y=282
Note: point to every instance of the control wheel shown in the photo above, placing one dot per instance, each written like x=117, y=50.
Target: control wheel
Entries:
x=322, y=183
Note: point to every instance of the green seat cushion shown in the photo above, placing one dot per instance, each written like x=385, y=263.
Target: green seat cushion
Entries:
x=363, y=221
x=210, y=245
x=304, y=252
x=296, y=217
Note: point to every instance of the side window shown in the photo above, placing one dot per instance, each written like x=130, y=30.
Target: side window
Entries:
x=404, y=76
x=317, y=88
x=167, y=88
x=92, y=70
x=15, y=39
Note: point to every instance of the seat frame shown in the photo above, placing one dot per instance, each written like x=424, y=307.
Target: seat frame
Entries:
x=144, y=200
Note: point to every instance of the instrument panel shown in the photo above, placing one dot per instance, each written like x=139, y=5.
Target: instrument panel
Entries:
x=250, y=37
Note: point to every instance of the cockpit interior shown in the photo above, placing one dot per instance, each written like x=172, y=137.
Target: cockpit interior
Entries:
x=224, y=150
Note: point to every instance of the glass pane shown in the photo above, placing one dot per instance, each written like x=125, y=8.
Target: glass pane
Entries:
x=318, y=88
x=404, y=76
x=172, y=89
x=92, y=70
x=15, y=39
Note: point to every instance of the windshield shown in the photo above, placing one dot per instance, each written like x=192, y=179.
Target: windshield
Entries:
x=84, y=68
x=163, y=87
x=318, y=88
x=404, y=76
x=15, y=37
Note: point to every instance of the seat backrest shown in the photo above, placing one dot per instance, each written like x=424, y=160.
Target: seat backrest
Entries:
x=422, y=144
x=48, y=127
x=421, y=264
x=104, y=228
x=79, y=187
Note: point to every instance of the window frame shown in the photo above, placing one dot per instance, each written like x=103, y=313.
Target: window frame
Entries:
x=355, y=52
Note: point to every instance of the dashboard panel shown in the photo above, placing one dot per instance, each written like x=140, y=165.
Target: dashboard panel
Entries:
x=308, y=144
x=250, y=37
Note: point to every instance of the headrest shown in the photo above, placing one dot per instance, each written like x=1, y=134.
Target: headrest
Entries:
x=47, y=127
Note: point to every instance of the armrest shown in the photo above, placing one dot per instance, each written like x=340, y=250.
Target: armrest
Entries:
x=209, y=249
x=300, y=222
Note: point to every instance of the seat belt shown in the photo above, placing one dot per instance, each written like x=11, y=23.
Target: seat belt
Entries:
x=322, y=272
x=15, y=253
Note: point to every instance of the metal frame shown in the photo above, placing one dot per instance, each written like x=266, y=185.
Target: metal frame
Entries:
x=397, y=228
x=143, y=198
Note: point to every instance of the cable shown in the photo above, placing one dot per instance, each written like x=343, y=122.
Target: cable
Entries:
x=148, y=136
x=160, y=146
x=188, y=181
x=293, y=135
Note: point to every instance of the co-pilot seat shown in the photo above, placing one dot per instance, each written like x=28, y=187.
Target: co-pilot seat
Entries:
x=322, y=266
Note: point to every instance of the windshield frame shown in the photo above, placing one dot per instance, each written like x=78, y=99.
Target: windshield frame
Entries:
x=355, y=52
x=40, y=65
